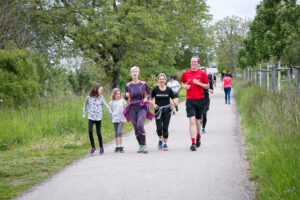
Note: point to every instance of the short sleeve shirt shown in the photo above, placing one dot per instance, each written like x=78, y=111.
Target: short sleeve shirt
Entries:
x=227, y=81
x=195, y=91
x=117, y=110
x=174, y=86
x=162, y=98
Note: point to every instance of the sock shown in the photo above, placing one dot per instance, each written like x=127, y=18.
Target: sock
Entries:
x=193, y=141
x=198, y=136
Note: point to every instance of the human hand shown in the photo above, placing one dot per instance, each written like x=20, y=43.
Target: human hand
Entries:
x=127, y=94
x=155, y=106
x=124, y=121
x=211, y=91
x=145, y=99
x=195, y=81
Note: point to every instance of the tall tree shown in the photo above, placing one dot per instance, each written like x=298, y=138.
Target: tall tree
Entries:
x=229, y=35
x=117, y=34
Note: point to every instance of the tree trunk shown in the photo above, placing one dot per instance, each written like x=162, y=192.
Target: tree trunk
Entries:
x=116, y=76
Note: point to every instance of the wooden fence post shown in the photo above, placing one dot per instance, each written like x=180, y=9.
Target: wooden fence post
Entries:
x=279, y=79
x=248, y=75
x=256, y=78
x=296, y=79
x=273, y=79
x=264, y=79
x=289, y=79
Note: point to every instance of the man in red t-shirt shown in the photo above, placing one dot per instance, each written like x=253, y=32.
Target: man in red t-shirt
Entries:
x=194, y=81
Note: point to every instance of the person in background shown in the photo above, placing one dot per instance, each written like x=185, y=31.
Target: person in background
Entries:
x=175, y=86
x=227, y=87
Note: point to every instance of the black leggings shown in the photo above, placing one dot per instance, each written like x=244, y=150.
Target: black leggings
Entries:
x=162, y=124
x=98, y=127
x=204, y=114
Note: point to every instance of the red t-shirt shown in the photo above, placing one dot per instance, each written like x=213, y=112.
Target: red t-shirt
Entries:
x=227, y=81
x=195, y=91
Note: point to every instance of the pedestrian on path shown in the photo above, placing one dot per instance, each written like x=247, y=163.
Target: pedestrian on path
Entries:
x=227, y=87
x=207, y=102
x=117, y=105
x=194, y=80
x=163, y=109
x=93, y=103
x=175, y=86
x=138, y=108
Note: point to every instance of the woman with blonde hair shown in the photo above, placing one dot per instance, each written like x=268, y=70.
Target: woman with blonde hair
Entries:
x=163, y=109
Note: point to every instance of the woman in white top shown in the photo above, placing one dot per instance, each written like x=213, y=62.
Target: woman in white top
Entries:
x=175, y=86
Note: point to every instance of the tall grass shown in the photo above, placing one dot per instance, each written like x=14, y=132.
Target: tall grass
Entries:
x=271, y=126
x=37, y=141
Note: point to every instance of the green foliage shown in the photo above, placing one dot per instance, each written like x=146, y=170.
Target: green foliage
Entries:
x=272, y=135
x=229, y=35
x=39, y=140
x=19, y=78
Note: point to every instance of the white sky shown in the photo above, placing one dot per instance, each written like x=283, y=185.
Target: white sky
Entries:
x=241, y=8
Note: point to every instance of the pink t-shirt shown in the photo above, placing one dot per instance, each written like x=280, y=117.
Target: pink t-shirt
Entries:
x=227, y=81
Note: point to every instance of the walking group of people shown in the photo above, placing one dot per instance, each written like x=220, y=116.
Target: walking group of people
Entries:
x=164, y=99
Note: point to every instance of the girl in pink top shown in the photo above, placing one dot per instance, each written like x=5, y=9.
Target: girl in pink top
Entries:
x=227, y=87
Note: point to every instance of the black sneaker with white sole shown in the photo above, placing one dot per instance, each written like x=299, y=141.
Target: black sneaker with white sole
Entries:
x=193, y=147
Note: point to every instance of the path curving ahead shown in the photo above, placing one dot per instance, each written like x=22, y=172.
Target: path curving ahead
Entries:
x=217, y=170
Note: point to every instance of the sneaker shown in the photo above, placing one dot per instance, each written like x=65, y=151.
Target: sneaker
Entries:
x=203, y=130
x=193, y=147
x=160, y=143
x=198, y=143
x=101, y=151
x=145, y=149
x=140, y=149
x=117, y=149
x=165, y=147
x=121, y=150
x=176, y=107
x=92, y=151
x=229, y=102
x=173, y=113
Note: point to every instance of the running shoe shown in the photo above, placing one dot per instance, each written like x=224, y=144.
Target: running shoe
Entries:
x=173, y=113
x=229, y=102
x=160, y=143
x=117, y=149
x=145, y=149
x=101, y=151
x=165, y=147
x=140, y=149
x=92, y=151
x=121, y=150
x=198, y=143
x=193, y=147
x=203, y=130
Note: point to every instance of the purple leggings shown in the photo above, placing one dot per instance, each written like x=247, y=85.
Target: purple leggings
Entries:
x=138, y=115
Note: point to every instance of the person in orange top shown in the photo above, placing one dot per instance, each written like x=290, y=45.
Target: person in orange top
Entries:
x=227, y=87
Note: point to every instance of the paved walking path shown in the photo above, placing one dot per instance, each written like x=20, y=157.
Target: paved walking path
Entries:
x=217, y=170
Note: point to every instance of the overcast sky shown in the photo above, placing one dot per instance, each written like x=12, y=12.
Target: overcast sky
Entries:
x=241, y=8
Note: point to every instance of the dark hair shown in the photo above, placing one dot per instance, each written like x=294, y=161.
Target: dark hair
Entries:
x=227, y=74
x=94, y=90
x=171, y=77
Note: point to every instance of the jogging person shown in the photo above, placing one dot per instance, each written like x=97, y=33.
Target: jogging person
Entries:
x=207, y=102
x=227, y=87
x=194, y=80
x=163, y=108
x=175, y=86
x=138, y=108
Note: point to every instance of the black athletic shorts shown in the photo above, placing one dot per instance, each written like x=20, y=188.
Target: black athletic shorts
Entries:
x=195, y=107
x=176, y=95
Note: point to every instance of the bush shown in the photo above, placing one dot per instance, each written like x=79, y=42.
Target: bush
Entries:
x=19, y=79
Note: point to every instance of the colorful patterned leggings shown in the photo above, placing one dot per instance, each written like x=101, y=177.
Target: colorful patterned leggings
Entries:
x=138, y=115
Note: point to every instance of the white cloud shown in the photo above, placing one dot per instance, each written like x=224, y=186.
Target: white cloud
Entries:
x=241, y=8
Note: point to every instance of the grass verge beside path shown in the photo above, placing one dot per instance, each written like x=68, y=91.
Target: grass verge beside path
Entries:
x=38, y=141
x=270, y=124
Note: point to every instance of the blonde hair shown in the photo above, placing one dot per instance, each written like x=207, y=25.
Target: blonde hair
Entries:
x=162, y=74
x=114, y=92
x=134, y=68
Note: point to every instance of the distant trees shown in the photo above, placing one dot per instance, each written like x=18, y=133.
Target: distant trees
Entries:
x=229, y=34
x=274, y=34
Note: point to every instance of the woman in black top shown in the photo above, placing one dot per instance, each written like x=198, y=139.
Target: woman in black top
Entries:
x=163, y=109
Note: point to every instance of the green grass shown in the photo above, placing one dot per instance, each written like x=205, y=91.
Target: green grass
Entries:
x=271, y=126
x=37, y=141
